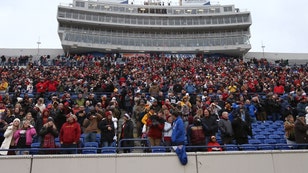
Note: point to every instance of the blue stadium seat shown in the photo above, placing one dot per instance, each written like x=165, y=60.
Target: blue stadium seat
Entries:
x=74, y=96
x=283, y=147
x=260, y=137
x=254, y=141
x=276, y=137
x=281, y=141
x=91, y=144
x=254, y=125
x=57, y=139
x=281, y=129
x=280, y=133
x=219, y=140
x=265, y=133
x=89, y=150
x=268, y=122
x=261, y=127
x=158, y=149
x=109, y=150
x=271, y=130
x=256, y=131
x=35, y=148
x=275, y=126
x=231, y=147
x=270, y=141
x=278, y=122
x=266, y=147
x=248, y=147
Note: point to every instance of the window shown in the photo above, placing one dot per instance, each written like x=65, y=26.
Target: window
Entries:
x=227, y=9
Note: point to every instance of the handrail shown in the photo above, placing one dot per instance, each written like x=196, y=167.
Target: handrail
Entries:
x=38, y=150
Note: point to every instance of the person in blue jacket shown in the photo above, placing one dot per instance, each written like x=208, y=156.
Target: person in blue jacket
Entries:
x=178, y=137
x=178, y=130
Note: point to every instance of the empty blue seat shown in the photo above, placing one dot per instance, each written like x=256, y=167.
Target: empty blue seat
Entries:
x=281, y=129
x=265, y=133
x=254, y=125
x=280, y=133
x=231, y=147
x=254, y=141
x=248, y=147
x=256, y=131
x=91, y=144
x=274, y=137
x=260, y=137
x=281, y=141
x=98, y=138
x=266, y=147
x=270, y=141
x=158, y=149
x=274, y=126
x=268, y=122
x=261, y=127
x=271, y=130
x=89, y=150
x=109, y=150
x=283, y=147
x=278, y=122
x=35, y=148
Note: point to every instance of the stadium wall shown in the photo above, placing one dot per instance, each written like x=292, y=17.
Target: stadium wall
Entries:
x=294, y=58
x=298, y=58
x=231, y=162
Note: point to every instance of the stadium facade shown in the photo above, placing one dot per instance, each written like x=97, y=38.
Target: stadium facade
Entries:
x=164, y=26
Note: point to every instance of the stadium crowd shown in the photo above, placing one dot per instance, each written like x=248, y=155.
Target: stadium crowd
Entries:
x=79, y=98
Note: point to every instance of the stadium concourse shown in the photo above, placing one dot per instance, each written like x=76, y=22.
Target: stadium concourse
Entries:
x=259, y=93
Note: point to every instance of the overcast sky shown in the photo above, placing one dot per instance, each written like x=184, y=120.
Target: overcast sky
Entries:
x=281, y=25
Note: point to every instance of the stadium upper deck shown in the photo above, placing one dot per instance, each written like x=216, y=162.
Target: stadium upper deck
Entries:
x=101, y=26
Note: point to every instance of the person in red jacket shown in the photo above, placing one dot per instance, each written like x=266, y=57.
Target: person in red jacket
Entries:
x=156, y=124
x=52, y=85
x=213, y=145
x=41, y=86
x=279, y=89
x=70, y=134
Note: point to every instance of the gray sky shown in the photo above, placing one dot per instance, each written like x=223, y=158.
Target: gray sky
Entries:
x=281, y=25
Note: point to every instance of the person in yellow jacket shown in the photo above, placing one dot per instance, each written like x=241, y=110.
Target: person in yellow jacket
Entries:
x=3, y=85
x=145, y=119
x=185, y=105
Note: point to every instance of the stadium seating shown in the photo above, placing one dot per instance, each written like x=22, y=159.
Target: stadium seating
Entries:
x=89, y=150
x=91, y=144
x=276, y=137
x=260, y=137
x=265, y=133
x=35, y=148
x=280, y=133
x=158, y=149
x=254, y=141
x=98, y=138
x=231, y=147
x=270, y=141
x=266, y=147
x=271, y=130
x=109, y=150
x=248, y=147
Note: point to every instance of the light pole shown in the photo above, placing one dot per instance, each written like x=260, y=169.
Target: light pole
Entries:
x=263, y=49
x=38, y=47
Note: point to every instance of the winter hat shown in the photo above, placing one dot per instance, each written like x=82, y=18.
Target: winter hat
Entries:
x=71, y=115
x=107, y=113
x=17, y=119
x=127, y=116
x=50, y=119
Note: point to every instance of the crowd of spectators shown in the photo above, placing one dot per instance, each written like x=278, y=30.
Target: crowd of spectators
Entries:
x=87, y=89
